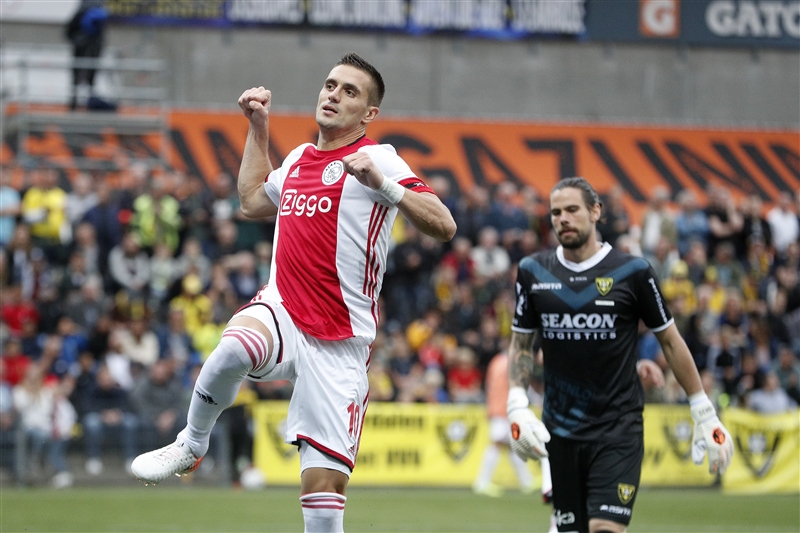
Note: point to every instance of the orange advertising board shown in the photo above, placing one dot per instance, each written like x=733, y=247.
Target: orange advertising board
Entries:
x=638, y=158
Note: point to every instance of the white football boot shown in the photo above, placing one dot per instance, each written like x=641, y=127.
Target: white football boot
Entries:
x=156, y=466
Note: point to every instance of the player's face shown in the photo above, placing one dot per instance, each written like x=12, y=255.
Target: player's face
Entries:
x=573, y=221
x=343, y=100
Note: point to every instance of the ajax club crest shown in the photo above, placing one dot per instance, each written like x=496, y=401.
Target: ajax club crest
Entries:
x=333, y=172
x=603, y=285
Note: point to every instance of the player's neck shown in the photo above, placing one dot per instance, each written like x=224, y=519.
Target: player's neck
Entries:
x=579, y=255
x=333, y=139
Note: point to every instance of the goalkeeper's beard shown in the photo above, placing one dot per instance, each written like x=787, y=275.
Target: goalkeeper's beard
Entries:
x=574, y=241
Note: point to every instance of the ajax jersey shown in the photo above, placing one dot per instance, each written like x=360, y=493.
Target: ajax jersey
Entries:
x=332, y=238
x=587, y=316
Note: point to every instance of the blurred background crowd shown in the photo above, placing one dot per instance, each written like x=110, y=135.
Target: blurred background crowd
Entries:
x=115, y=290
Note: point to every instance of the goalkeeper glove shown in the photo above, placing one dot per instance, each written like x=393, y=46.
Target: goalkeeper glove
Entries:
x=709, y=435
x=528, y=434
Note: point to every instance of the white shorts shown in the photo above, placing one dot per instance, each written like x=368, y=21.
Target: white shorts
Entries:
x=499, y=429
x=330, y=388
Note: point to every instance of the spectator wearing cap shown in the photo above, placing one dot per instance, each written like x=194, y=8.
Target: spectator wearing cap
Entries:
x=196, y=306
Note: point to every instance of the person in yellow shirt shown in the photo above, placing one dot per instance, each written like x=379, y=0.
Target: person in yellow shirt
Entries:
x=44, y=208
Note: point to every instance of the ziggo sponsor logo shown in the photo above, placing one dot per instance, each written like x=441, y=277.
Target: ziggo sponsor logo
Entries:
x=300, y=204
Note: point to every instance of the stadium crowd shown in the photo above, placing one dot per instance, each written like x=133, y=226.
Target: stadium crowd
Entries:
x=115, y=288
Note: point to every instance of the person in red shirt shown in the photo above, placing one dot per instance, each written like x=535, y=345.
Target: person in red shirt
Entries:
x=15, y=310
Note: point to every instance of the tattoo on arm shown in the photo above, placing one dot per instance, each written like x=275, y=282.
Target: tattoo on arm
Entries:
x=520, y=359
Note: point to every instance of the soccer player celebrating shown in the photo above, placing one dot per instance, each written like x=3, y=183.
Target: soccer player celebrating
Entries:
x=315, y=320
x=585, y=299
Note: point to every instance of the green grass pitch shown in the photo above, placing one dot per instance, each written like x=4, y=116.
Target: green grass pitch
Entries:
x=177, y=508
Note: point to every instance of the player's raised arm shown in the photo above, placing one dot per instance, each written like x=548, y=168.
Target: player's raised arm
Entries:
x=256, y=166
x=424, y=209
x=709, y=433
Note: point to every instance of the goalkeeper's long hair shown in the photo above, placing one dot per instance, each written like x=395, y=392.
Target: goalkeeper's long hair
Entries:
x=590, y=196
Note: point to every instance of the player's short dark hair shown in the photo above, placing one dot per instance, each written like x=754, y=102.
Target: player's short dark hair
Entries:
x=354, y=60
x=590, y=196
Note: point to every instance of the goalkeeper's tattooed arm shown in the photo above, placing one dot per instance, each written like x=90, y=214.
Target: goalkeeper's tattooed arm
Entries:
x=521, y=359
x=528, y=434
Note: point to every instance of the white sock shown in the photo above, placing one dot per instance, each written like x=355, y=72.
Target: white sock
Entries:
x=547, y=481
x=521, y=469
x=491, y=456
x=323, y=512
x=239, y=351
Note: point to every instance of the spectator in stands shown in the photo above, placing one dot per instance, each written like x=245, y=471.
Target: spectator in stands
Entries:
x=196, y=306
x=615, y=222
x=195, y=201
x=662, y=258
x=44, y=208
x=73, y=342
x=263, y=252
x=730, y=272
x=156, y=217
x=678, y=285
x=505, y=213
x=459, y=258
x=163, y=270
x=10, y=206
x=691, y=223
x=86, y=244
x=783, y=223
x=414, y=261
x=74, y=275
x=15, y=362
x=129, y=267
x=8, y=421
x=755, y=228
x=104, y=217
x=16, y=310
x=19, y=255
x=538, y=213
x=86, y=31
x=109, y=412
x=787, y=368
x=243, y=276
x=224, y=300
x=472, y=213
x=81, y=198
x=490, y=259
x=224, y=244
x=464, y=379
x=658, y=222
x=160, y=404
x=193, y=261
x=137, y=341
x=725, y=221
x=770, y=398
x=175, y=344
x=44, y=414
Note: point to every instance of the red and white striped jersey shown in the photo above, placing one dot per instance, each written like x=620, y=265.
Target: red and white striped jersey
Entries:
x=332, y=239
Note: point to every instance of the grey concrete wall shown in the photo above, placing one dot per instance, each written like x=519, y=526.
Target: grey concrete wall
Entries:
x=458, y=77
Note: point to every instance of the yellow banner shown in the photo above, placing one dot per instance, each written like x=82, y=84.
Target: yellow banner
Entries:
x=442, y=445
x=668, y=449
x=767, y=456
x=401, y=444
